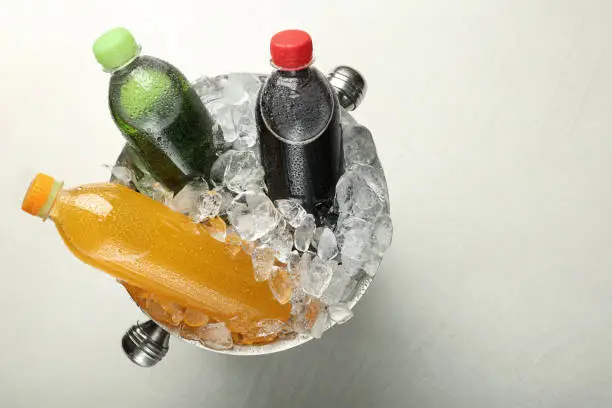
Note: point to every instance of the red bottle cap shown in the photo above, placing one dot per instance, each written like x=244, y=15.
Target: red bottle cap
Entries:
x=291, y=50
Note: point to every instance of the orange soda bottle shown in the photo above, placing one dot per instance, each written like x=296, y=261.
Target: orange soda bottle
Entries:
x=145, y=244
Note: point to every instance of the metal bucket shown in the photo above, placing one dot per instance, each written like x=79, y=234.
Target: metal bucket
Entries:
x=350, y=87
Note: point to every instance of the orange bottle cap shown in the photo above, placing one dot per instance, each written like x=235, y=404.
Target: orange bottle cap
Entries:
x=40, y=195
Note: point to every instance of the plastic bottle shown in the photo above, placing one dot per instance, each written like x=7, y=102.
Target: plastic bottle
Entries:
x=147, y=245
x=298, y=120
x=157, y=110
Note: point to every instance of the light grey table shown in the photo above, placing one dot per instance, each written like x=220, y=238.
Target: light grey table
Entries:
x=493, y=122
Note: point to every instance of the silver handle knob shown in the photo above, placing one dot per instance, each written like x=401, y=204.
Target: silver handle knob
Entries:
x=146, y=344
x=350, y=86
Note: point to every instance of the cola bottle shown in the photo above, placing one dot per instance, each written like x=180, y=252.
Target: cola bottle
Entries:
x=298, y=120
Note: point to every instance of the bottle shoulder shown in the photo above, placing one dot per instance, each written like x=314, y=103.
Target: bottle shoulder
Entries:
x=302, y=80
x=147, y=93
x=149, y=63
x=297, y=106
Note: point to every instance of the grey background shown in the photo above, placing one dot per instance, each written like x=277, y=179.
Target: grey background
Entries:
x=492, y=119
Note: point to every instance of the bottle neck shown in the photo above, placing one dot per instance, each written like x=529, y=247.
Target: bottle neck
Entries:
x=289, y=77
x=45, y=210
x=301, y=68
x=126, y=65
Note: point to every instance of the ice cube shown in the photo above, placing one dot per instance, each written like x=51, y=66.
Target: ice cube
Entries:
x=340, y=313
x=345, y=192
x=227, y=117
x=211, y=205
x=233, y=241
x=371, y=264
x=217, y=170
x=194, y=318
x=164, y=310
x=363, y=244
x=268, y=327
x=382, y=234
x=283, y=245
x=281, y=285
x=150, y=187
x=238, y=170
x=316, y=236
x=304, y=232
x=292, y=211
x=247, y=135
x=362, y=192
x=248, y=247
x=195, y=201
x=122, y=175
x=333, y=265
x=327, y=248
x=217, y=228
x=320, y=325
x=234, y=109
x=304, y=311
x=367, y=204
x=209, y=89
x=253, y=215
x=189, y=332
x=293, y=261
x=351, y=266
x=176, y=311
x=281, y=240
x=216, y=336
x=316, y=278
x=354, y=235
x=226, y=199
x=368, y=263
x=359, y=146
x=244, y=173
x=157, y=312
x=299, y=299
x=263, y=261
x=280, y=226
x=234, y=93
x=241, y=89
x=337, y=286
x=304, y=264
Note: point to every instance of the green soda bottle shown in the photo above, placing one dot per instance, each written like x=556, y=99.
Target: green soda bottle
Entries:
x=157, y=110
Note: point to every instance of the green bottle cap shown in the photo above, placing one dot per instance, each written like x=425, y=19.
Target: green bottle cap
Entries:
x=115, y=48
